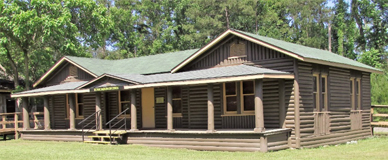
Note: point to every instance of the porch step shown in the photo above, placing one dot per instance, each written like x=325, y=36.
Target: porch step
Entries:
x=99, y=142
x=113, y=137
x=106, y=132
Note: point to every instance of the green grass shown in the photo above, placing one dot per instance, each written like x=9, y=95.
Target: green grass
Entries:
x=371, y=148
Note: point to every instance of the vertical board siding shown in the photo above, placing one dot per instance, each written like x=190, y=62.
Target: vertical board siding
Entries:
x=238, y=122
x=198, y=107
x=258, y=54
x=63, y=73
x=177, y=122
x=59, y=108
x=160, y=108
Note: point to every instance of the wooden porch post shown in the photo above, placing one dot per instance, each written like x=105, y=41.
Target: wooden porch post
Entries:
x=210, y=109
x=296, y=104
x=263, y=144
x=47, y=125
x=133, y=111
x=72, y=111
x=26, y=116
x=259, y=108
x=98, y=108
x=169, y=110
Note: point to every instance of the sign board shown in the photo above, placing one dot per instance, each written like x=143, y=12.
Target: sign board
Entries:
x=102, y=89
x=159, y=99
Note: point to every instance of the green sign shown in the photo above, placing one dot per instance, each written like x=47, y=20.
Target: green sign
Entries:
x=113, y=88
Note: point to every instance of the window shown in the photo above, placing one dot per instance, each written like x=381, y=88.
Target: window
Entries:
x=358, y=93
x=245, y=97
x=125, y=102
x=248, y=94
x=352, y=95
x=177, y=101
x=79, y=106
x=320, y=92
x=230, y=90
x=323, y=92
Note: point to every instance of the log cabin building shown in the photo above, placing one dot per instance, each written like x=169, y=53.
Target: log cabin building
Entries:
x=240, y=92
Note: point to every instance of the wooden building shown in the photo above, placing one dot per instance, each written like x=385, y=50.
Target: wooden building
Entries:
x=240, y=92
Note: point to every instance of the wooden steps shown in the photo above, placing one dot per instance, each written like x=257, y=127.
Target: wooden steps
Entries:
x=105, y=137
x=243, y=145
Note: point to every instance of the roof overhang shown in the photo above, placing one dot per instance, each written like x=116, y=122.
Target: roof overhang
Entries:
x=49, y=93
x=105, y=76
x=59, y=63
x=5, y=91
x=259, y=42
x=214, y=80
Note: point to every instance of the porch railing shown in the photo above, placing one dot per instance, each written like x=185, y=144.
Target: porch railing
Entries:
x=95, y=119
x=111, y=121
x=10, y=123
x=379, y=116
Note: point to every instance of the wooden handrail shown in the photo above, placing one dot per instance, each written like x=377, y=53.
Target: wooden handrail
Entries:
x=372, y=115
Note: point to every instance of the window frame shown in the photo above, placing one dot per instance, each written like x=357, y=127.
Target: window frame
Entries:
x=358, y=93
x=352, y=93
x=226, y=112
x=121, y=102
x=242, y=98
x=325, y=95
x=77, y=115
x=177, y=99
x=317, y=92
x=239, y=94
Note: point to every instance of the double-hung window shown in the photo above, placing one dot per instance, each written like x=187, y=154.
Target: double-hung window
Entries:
x=177, y=101
x=125, y=102
x=320, y=99
x=79, y=105
x=239, y=97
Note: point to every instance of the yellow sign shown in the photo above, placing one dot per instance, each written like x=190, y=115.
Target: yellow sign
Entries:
x=159, y=99
x=106, y=89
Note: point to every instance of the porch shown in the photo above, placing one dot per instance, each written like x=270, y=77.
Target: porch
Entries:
x=220, y=140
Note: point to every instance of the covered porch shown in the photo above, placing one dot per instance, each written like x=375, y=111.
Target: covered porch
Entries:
x=220, y=109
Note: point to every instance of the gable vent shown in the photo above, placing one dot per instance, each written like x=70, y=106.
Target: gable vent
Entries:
x=73, y=71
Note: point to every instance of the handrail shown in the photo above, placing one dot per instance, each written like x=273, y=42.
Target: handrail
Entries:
x=97, y=118
x=116, y=116
x=124, y=125
x=372, y=115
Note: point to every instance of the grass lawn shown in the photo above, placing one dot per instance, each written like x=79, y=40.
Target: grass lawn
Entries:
x=371, y=148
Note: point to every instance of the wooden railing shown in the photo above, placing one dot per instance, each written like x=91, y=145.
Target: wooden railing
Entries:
x=38, y=119
x=10, y=123
x=378, y=119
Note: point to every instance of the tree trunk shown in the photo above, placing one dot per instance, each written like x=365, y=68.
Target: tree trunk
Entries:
x=26, y=70
x=329, y=35
x=227, y=17
x=13, y=65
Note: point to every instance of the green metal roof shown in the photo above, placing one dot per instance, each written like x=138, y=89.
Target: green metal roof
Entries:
x=308, y=52
x=158, y=63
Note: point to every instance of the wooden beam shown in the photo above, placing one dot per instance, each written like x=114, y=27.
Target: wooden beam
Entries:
x=169, y=110
x=210, y=109
x=47, y=124
x=26, y=117
x=259, y=108
x=98, y=108
x=72, y=111
x=133, y=111
x=263, y=144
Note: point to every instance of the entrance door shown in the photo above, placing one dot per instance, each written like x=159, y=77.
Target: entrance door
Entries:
x=148, y=107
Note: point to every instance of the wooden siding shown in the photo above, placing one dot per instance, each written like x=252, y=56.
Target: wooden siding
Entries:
x=59, y=108
x=55, y=135
x=113, y=109
x=321, y=128
x=63, y=73
x=198, y=107
x=219, y=56
x=160, y=108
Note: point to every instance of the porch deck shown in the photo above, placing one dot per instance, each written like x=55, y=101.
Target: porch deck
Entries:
x=223, y=139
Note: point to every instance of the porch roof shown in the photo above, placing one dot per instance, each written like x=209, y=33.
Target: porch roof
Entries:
x=203, y=76
x=56, y=89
